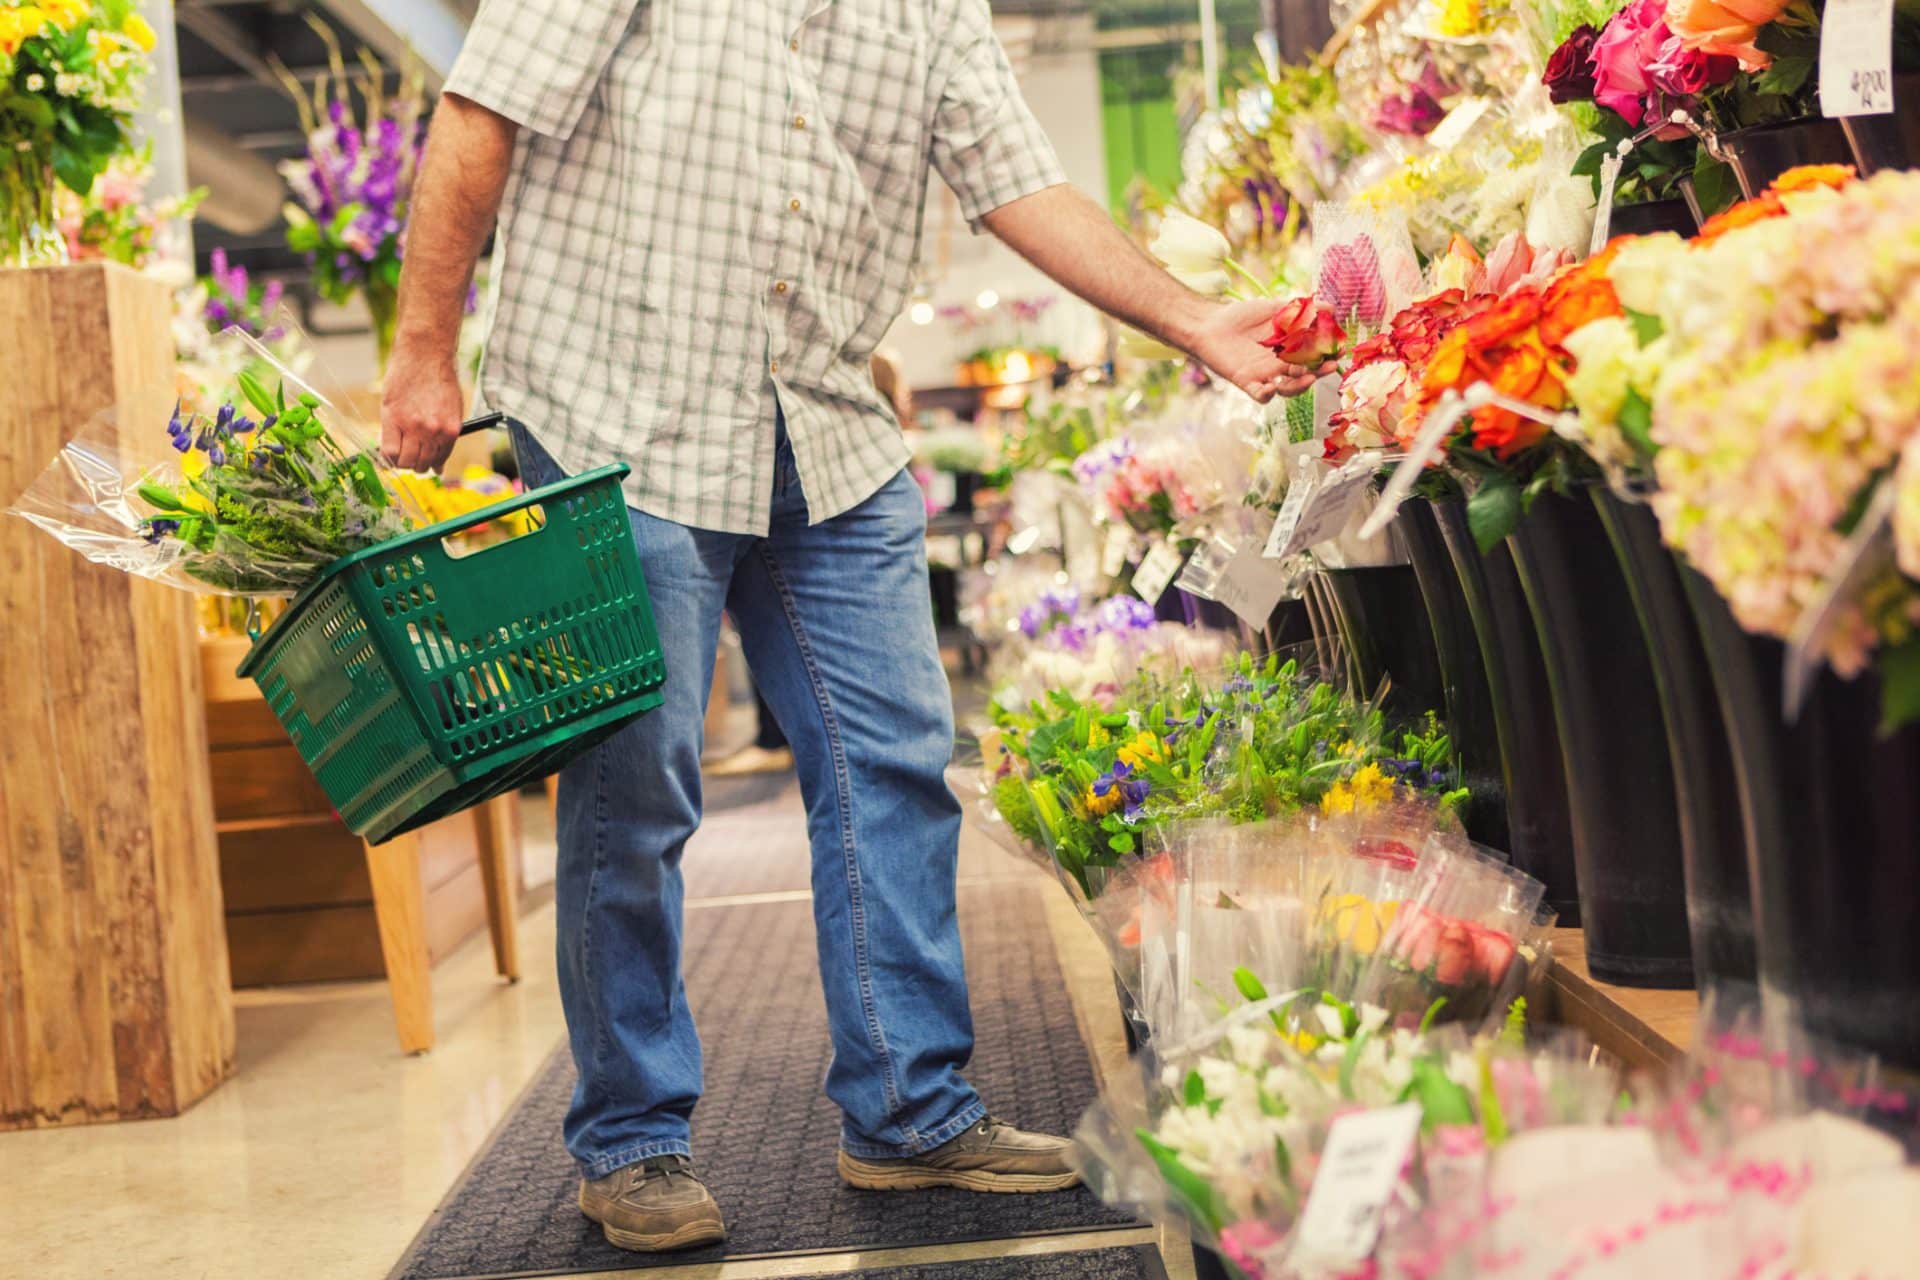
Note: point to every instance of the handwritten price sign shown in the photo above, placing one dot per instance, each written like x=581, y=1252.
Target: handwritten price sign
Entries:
x=1856, y=58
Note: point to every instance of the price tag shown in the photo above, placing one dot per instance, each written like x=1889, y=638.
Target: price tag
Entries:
x=1150, y=580
x=1454, y=127
x=1117, y=551
x=1326, y=510
x=1305, y=481
x=1359, y=1169
x=1204, y=567
x=1251, y=585
x=1856, y=58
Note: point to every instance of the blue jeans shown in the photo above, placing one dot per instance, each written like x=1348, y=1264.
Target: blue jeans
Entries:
x=838, y=631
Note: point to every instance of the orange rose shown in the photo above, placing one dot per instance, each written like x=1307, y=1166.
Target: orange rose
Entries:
x=1512, y=314
x=1725, y=27
x=1763, y=206
x=1811, y=177
x=1578, y=297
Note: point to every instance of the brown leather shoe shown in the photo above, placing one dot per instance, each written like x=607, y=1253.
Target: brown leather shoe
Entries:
x=654, y=1206
x=988, y=1157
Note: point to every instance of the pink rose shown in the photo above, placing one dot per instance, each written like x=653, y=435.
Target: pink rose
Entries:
x=1419, y=941
x=1685, y=72
x=1628, y=46
x=1305, y=334
x=1245, y=1243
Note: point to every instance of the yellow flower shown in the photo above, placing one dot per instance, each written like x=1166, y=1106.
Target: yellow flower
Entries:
x=1360, y=922
x=135, y=28
x=1100, y=806
x=17, y=26
x=1338, y=800
x=66, y=14
x=1371, y=787
x=1459, y=18
x=1142, y=749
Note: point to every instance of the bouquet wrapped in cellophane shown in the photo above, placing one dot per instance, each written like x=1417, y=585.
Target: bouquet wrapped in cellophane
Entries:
x=252, y=498
x=1236, y=1125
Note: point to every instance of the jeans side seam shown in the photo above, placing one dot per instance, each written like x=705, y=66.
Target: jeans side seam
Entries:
x=863, y=969
x=600, y=1036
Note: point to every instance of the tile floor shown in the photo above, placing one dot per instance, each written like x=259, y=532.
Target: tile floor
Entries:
x=328, y=1148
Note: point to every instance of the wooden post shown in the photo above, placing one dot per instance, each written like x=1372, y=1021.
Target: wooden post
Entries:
x=115, y=1001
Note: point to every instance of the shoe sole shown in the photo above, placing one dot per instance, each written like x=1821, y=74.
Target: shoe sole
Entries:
x=864, y=1175
x=688, y=1235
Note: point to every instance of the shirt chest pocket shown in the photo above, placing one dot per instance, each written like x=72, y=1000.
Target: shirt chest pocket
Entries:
x=871, y=87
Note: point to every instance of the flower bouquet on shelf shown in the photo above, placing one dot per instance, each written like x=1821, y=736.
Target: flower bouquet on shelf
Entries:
x=1818, y=356
x=263, y=492
x=1242, y=1121
x=73, y=71
x=114, y=221
x=352, y=187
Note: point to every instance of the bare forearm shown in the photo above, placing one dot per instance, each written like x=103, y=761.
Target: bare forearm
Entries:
x=1068, y=236
x=455, y=203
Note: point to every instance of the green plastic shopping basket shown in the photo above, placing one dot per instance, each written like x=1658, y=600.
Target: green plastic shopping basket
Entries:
x=416, y=681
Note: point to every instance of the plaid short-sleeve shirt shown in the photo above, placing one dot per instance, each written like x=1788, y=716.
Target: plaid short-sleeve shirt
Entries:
x=714, y=210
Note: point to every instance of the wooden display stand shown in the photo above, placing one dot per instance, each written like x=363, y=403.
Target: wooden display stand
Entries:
x=115, y=1002
x=308, y=901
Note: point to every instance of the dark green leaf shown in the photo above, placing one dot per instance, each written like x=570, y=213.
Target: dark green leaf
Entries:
x=74, y=170
x=1787, y=76
x=1714, y=186
x=1493, y=512
x=1899, y=687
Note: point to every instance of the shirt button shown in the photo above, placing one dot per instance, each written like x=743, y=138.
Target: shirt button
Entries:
x=799, y=122
x=774, y=367
x=794, y=204
x=779, y=286
x=795, y=46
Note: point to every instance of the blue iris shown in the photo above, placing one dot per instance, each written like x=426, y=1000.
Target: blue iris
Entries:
x=1133, y=791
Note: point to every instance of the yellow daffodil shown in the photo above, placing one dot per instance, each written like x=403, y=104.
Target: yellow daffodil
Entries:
x=17, y=26
x=66, y=14
x=1368, y=788
x=135, y=28
x=1143, y=749
x=1459, y=18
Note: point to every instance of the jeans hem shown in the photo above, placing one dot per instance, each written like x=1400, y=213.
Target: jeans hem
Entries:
x=924, y=1141
x=601, y=1166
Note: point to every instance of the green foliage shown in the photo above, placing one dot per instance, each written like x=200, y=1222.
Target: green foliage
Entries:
x=1194, y=1192
x=1899, y=668
x=1493, y=511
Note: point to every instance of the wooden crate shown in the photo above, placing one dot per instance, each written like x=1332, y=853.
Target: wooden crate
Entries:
x=114, y=995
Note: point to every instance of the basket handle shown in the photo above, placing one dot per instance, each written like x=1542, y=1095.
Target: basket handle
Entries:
x=485, y=422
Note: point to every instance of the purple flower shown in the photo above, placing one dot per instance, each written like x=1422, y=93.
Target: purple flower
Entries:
x=1133, y=791
x=217, y=455
x=1125, y=613
x=158, y=529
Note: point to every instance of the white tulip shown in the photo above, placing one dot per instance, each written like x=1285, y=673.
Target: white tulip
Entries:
x=1188, y=246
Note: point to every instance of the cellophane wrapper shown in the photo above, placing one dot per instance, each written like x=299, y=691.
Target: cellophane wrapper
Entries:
x=265, y=523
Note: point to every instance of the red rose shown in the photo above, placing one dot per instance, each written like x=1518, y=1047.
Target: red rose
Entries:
x=1492, y=953
x=1453, y=954
x=1569, y=75
x=1305, y=334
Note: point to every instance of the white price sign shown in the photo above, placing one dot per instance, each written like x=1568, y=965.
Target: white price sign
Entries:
x=1156, y=571
x=1856, y=58
x=1291, y=509
x=1240, y=578
x=1358, y=1171
x=1325, y=511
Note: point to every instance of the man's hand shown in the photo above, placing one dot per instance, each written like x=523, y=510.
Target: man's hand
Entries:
x=1226, y=338
x=420, y=410
x=1073, y=240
